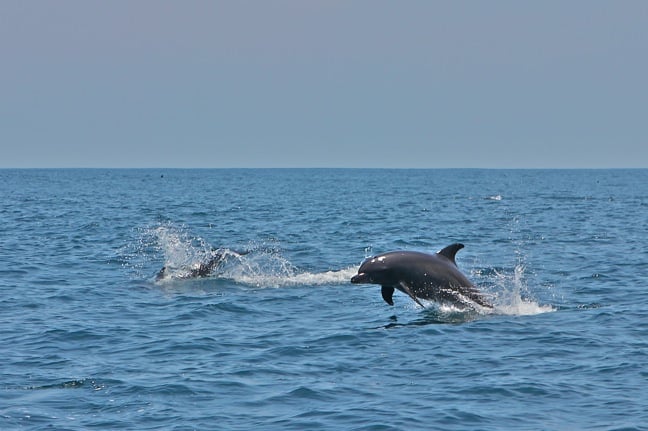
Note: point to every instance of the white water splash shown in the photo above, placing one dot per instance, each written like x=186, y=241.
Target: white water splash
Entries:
x=182, y=252
x=508, y=293
x=511, y=294
x=259, y=267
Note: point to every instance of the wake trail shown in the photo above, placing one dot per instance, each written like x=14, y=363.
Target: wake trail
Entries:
x=257, y=265
x=261, y=279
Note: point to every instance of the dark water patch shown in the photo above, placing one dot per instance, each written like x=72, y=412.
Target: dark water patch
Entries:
x=92, y=384
x=207, y=310
x=14, y=273
x=434, y=315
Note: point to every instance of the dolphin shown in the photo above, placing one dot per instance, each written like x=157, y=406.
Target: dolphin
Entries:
x=420, y=275
x=204, y=269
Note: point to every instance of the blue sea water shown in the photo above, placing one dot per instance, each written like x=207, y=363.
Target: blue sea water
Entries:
x=278, y=338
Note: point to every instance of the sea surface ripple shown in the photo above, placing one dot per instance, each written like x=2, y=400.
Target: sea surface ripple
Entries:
x=278, y=338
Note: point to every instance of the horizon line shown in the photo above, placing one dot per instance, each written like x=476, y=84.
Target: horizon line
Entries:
x=309, y=167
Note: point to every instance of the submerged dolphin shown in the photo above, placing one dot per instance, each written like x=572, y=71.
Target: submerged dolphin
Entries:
x=421, y=275
x=204, y=269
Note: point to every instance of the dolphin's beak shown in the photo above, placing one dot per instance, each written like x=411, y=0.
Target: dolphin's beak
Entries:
x=360, y=277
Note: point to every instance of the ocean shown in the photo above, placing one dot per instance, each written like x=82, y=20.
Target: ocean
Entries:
x=277, y=338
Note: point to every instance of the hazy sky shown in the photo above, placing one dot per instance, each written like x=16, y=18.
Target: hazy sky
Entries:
x=323, y=83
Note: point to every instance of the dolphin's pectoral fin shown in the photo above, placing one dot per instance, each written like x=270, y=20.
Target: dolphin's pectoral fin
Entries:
x=450, y=252
x=387, y=293
x=405, y=288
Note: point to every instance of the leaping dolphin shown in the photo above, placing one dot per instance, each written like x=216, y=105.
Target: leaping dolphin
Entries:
x=420, y=275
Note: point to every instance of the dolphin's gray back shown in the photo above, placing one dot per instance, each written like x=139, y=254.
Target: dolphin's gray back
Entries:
x=434, y=277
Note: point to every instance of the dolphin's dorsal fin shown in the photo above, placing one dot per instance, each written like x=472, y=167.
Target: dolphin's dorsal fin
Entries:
x=450, y=251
